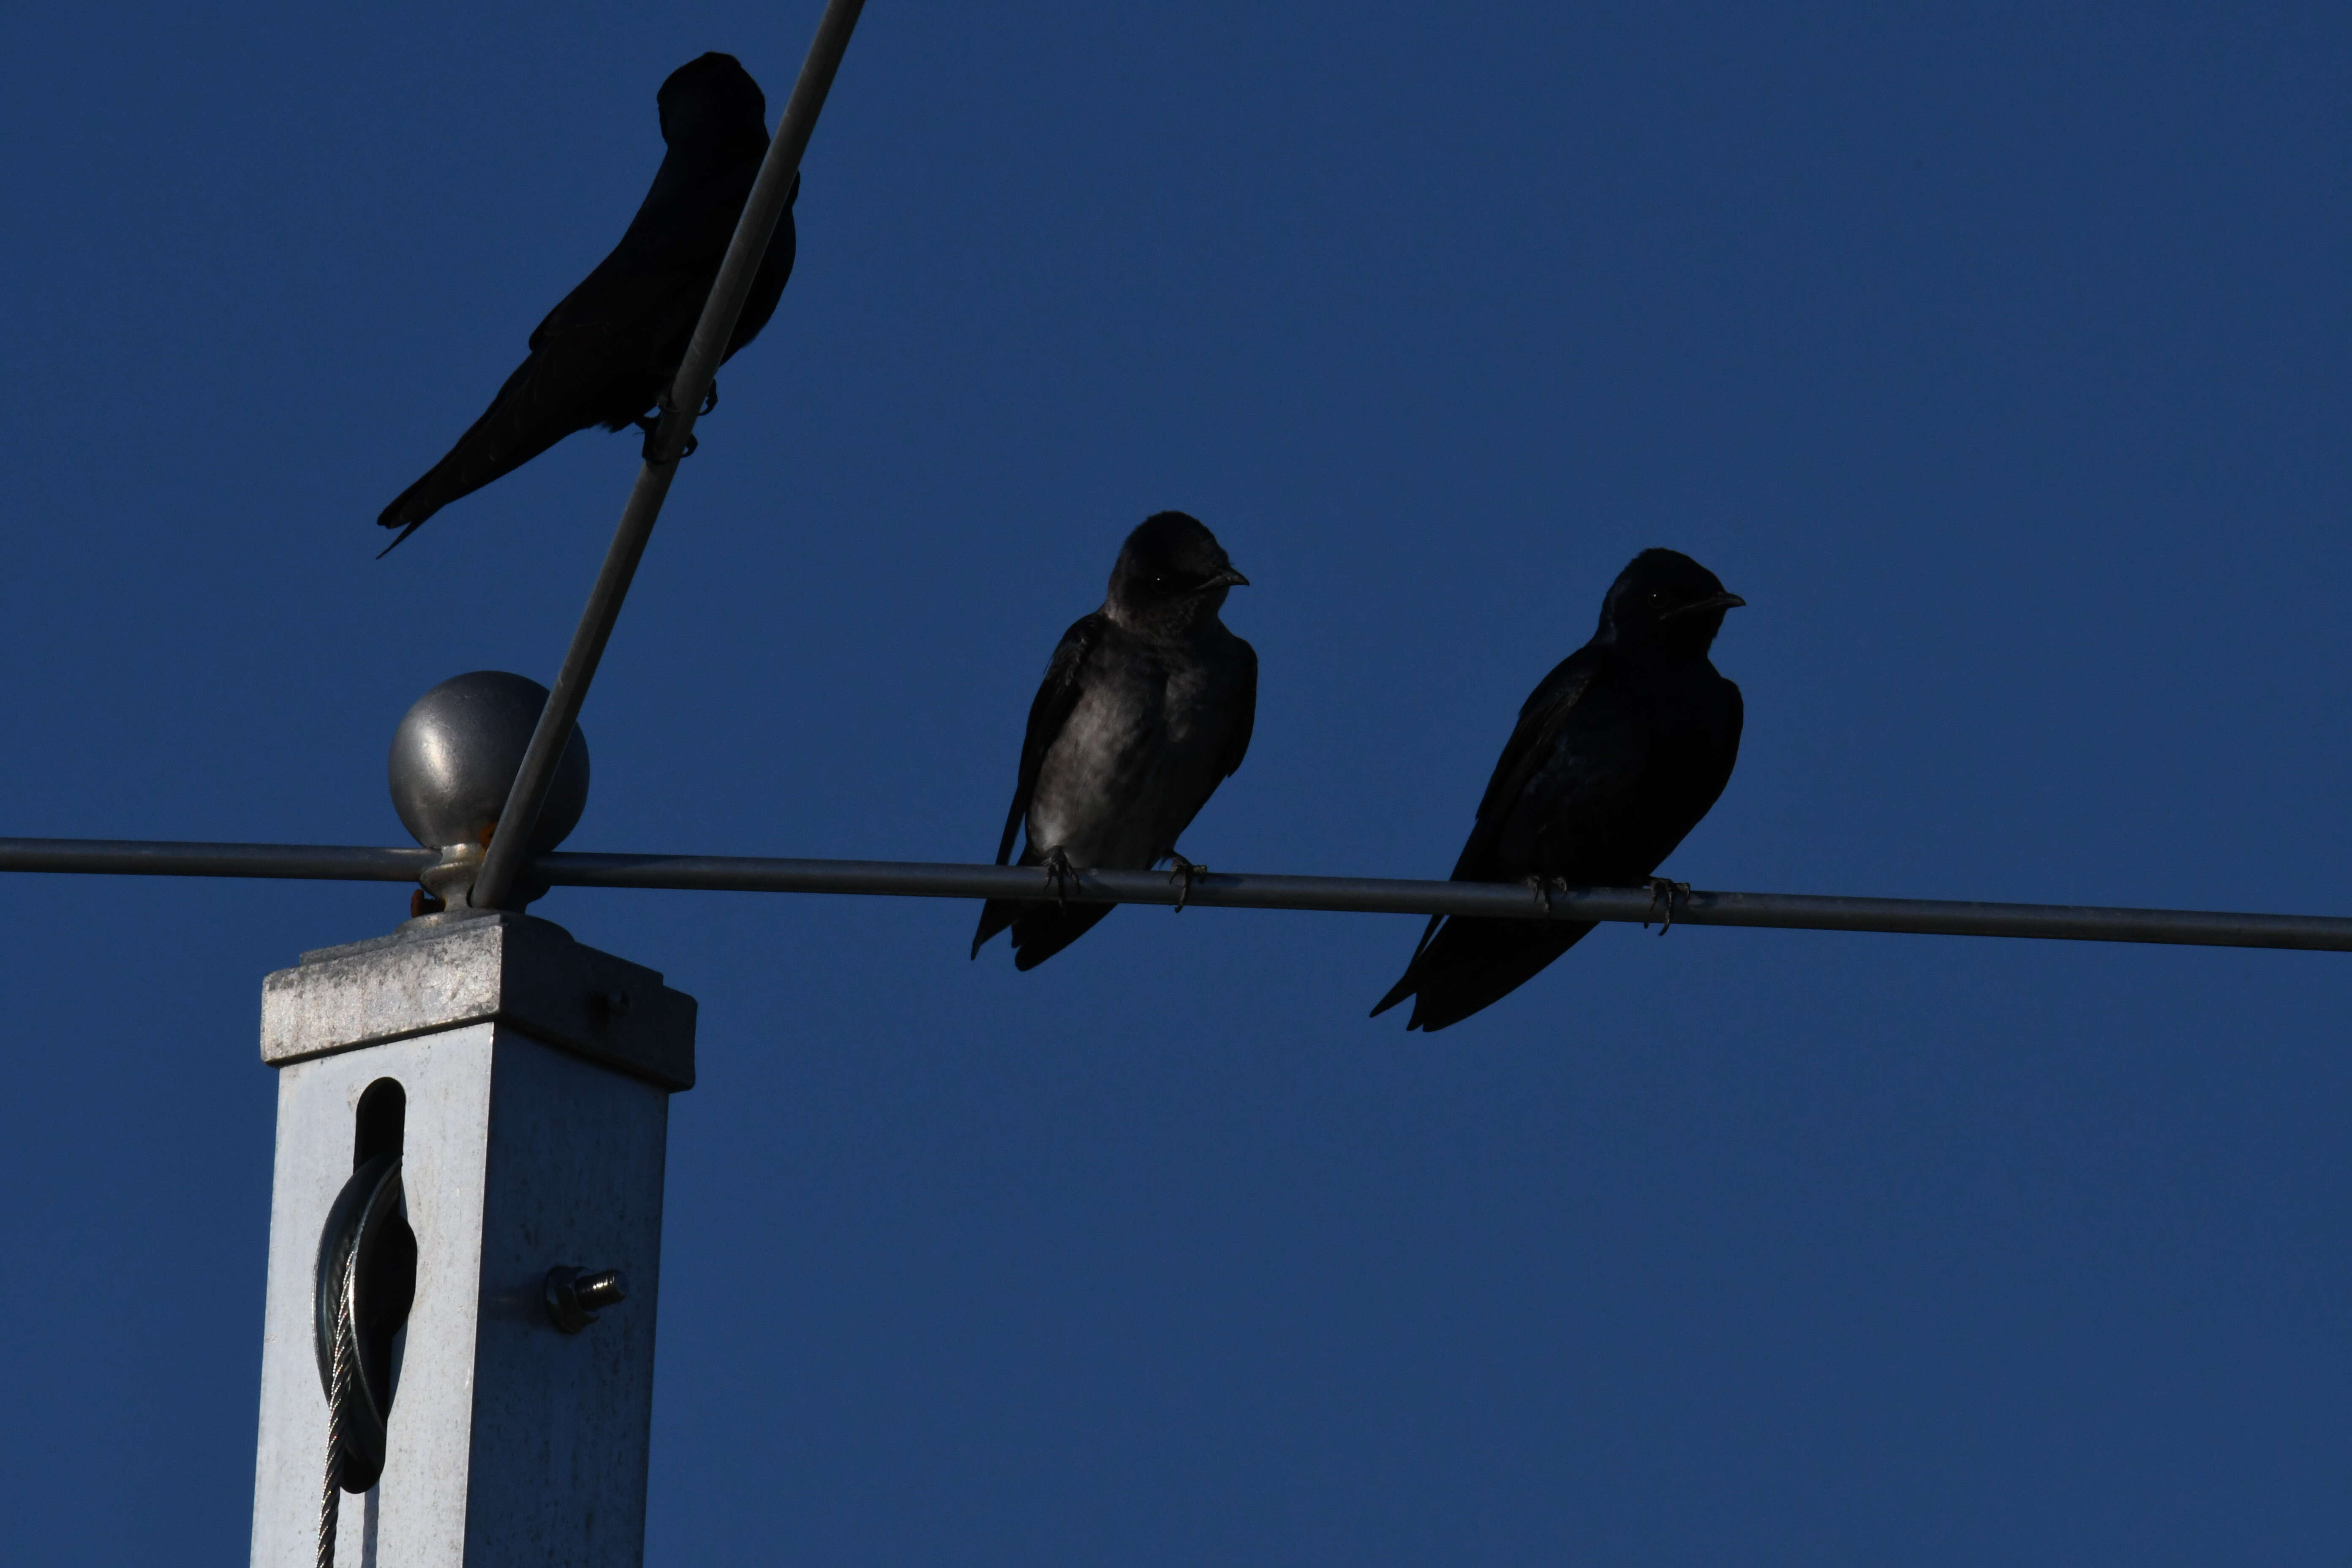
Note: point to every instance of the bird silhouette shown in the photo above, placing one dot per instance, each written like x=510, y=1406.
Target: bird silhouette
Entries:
x=607, y=355
x=1147, y=706
x=1616, y=756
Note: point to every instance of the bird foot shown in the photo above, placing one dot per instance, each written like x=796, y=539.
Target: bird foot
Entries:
x=1185, y=870
x=651, y=424
x=711, y=397
x=1061, y=876
x=1543, y=887
x=1662, y=894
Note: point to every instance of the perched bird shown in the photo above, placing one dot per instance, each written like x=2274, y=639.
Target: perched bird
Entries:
x=1147, y=706
x=608, y=353
x=1617, y=755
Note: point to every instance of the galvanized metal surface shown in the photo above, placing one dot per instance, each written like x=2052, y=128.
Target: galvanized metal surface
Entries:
x=509, y=1440
x=502, y=866
x=443, y=972
x=1245, y=891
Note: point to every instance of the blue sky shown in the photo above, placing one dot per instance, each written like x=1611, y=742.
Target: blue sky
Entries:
x=1998, y=356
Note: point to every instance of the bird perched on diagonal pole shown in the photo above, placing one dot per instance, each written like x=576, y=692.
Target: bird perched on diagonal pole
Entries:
x=1147, y=706
x=609, y=351
x=1616, y=756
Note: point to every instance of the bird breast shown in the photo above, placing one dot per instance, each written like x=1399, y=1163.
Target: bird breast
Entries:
x=1134, y=761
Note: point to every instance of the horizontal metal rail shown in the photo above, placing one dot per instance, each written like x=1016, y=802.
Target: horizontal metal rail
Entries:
x=1247, y=890
x=166, y=857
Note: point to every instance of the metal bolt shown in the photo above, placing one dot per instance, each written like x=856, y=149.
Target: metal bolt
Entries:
x=573, y=1297
x=613, y=1004
x=598, y=1291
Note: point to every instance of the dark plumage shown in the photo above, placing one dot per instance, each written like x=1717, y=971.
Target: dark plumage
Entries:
x=608, y=352
x=1146, y=708
x=1617, y=755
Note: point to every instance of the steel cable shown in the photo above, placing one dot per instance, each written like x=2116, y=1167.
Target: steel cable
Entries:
x=338, y=1391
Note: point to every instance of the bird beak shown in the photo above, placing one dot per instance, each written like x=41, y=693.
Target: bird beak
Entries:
x=1228, y=578
x=1716, y=601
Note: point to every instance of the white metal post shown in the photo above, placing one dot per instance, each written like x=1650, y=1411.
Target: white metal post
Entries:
x=536, y=1074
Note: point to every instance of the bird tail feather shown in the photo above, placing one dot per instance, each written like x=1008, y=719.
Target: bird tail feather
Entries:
x=994, y=916
x=1043, y=929
x=1475, y=963
x=512, y=431
x=1410, y=980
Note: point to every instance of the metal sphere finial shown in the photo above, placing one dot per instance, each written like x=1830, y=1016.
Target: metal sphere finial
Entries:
x=455, y=757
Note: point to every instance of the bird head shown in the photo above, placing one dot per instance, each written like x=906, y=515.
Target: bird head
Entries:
x=1172, y=570
x=712, y=99
x=1665, y=599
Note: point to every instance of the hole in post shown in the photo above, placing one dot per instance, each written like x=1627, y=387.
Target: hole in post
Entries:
x=367, y=1256
x=383, y=1122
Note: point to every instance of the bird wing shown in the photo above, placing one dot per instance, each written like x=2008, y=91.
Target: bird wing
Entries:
x=1548, y=708
x=1541, y=718
x=1056, y=697
x=677, y=239
x=539, y=405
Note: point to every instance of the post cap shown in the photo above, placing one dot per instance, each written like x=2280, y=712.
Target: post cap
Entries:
x=456, y=755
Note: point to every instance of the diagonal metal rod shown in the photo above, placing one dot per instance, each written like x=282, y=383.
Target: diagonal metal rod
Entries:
x=1359, y=895
x=494, y=884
